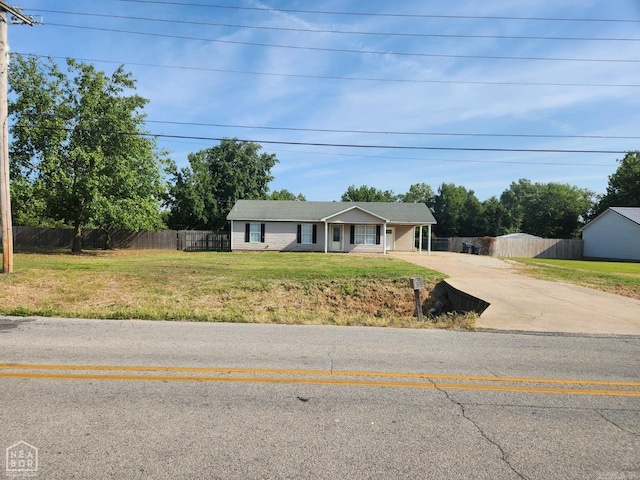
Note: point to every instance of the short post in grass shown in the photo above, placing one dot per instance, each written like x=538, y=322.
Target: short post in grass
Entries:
x=417, y=283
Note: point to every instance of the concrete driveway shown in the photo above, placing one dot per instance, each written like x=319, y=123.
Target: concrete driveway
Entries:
x=519, y=302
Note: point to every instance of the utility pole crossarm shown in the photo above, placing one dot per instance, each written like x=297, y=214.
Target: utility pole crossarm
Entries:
x=17, y=13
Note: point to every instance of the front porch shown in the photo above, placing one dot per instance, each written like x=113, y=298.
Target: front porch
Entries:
x=373, y=238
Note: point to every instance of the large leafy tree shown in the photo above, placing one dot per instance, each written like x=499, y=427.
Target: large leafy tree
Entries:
x=514, y=200
x=79, y=153
x=551, y=210
x=204, y=193
x=419, y=193
x=624, y=185
x=368, y=194
x=557, y=210
x=285, y=194
x=494, y=218
x=457, y=211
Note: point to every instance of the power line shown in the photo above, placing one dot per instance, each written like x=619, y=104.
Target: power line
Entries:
x=389, y=157
x=398, y=15
x=424, y=159
x=341, y=145
x=335, y=77
x=344, y=50
x=394, y=147
x=342, y=32
x=382, y=132
x=451, y=160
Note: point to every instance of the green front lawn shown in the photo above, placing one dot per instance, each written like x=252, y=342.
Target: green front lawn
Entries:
x=208, y=286
x=622, y=278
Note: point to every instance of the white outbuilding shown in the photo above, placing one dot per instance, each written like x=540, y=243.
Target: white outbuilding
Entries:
x=614, y=234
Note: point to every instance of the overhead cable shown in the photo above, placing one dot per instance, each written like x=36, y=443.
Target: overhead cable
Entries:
x=343, y=145
x=397, y=147
x=383, y=132
x=340, y=32
x=351, y=51
x=336, y=77
x=377, y=14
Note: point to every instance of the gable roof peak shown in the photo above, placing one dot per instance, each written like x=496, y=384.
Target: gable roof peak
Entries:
x=630, y=213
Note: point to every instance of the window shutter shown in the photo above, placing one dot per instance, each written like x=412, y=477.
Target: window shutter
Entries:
x=353, y=234
x=262, y=233
x=315, y=234
x=299, y=237
x=378, y=234
x=247, y=227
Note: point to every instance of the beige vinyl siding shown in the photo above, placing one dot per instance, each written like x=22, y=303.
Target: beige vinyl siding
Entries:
x=278, y=236
x=362, y=248
x=351, y=246
x=238, y=235
x=282, y=236
x=405, y=238
x=356, y=216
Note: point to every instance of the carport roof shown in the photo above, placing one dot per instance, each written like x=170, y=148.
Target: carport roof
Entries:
x=293, y=211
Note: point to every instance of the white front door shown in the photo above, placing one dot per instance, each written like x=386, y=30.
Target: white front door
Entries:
x=391, y=235
x=336, y=238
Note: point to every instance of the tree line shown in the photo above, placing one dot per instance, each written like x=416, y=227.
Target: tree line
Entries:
x=80, y=157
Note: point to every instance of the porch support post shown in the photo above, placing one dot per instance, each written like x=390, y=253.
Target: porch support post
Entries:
x=419, y=238
x=384, y=238
x=326, y=237
x=429, y=240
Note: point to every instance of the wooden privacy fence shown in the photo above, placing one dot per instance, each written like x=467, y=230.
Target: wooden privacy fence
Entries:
x=37, y=237
x=522, y=247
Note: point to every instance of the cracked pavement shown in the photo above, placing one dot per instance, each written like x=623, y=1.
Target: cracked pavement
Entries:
x=503, y=454
x=317, y=402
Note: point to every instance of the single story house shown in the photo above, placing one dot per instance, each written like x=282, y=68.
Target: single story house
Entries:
x=614, y=234
x=374, y=227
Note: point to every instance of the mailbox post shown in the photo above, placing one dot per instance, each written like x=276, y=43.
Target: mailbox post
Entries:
x=417, y=284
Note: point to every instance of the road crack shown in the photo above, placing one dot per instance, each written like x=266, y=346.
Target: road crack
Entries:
x=333, y=349
x=503, y=454
x=616, y=425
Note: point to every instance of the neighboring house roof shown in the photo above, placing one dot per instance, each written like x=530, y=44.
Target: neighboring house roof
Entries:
x=518, y=235
x=293, y=211
x=630, y=213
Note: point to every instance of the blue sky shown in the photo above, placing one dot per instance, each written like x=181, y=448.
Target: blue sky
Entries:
x=417, y=70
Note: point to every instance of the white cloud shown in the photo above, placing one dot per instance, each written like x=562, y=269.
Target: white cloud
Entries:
x=260, y=100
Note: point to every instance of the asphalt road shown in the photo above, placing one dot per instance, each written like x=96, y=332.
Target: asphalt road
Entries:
x=161, y=400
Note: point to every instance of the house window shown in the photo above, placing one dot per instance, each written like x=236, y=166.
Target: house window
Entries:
x=307, y=234
x=254, y=233
x=365, y=235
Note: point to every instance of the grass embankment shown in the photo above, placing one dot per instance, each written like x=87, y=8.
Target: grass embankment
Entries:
x=613, y=277
x=287, y=288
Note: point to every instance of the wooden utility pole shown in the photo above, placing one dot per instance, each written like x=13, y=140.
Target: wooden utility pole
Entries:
x=5, y=192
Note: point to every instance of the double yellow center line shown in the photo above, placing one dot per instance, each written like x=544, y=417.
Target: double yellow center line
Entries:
x=321, y=377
